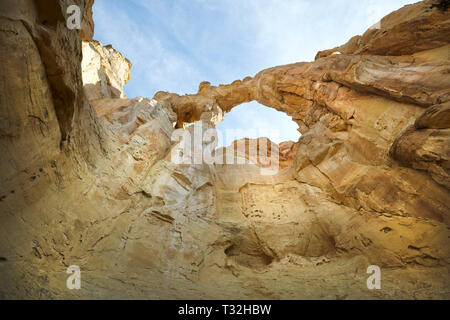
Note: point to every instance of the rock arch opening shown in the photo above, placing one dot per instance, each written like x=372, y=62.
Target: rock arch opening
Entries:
x=253, y=120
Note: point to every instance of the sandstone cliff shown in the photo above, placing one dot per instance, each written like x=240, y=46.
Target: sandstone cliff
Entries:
x=87, y=176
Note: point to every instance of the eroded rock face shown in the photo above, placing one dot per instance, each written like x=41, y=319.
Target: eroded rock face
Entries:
x=88, y=179
x=87, y=24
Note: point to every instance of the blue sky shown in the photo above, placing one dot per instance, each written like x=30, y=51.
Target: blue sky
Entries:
x=176, y=44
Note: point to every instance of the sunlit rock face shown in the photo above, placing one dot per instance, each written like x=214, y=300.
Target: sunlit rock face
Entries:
x=105, y=71
x=88, y=176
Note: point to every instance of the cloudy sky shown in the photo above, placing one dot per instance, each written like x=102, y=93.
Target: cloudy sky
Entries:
x=176, y=44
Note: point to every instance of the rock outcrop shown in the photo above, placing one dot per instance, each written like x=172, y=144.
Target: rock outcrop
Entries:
x=88, y=176
x=105, y=71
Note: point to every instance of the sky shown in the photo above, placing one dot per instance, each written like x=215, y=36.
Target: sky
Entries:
x=176, y=44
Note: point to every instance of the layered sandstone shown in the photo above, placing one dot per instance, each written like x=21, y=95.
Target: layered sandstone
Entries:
x=88, y=177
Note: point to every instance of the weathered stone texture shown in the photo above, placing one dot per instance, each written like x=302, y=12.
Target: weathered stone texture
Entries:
x=86, y=176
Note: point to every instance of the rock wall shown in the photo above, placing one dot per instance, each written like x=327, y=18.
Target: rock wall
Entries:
x=87, y=176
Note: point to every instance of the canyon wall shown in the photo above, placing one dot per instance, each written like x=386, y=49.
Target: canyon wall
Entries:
x=87, y=176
